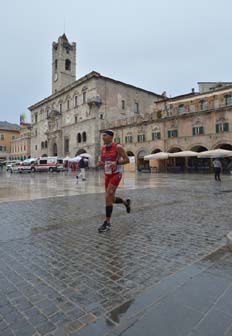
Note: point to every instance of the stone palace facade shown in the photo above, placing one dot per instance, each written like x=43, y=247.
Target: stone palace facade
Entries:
x=69, y=121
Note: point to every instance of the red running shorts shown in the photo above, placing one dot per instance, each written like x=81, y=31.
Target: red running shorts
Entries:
x=113, y=179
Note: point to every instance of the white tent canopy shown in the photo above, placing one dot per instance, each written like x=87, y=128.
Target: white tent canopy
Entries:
x=86, y=155
x=215, y=153
x=157, y=156
x=183, y=154
x=75, y=159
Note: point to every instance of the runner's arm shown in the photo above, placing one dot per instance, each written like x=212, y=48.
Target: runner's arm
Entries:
x=123, y=157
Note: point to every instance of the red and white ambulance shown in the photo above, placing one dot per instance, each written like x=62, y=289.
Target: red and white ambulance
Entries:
x=50, y=163
x=26, y=165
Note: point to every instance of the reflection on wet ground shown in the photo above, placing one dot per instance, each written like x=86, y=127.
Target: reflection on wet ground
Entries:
x=58, y=274
x=43, y=185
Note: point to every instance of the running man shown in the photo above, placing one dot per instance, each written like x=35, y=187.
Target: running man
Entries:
x=113, y=156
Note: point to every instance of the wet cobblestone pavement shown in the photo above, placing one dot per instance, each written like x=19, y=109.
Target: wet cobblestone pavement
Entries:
x=57, y=274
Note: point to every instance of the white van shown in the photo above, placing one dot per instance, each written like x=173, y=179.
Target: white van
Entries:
x=50, y=163
x=11, y=164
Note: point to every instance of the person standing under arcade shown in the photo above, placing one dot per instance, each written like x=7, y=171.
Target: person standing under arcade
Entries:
x=113, y=156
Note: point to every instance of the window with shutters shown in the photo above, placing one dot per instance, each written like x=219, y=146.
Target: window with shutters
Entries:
x=141, y=137
x=222, y=127
x=228, y=100
x=117, y=140
x=156, y=133
x=173, y=133
x=181, y=109
x=2, y=148
x=128, y=139
x=203, y=105
x=198, y=130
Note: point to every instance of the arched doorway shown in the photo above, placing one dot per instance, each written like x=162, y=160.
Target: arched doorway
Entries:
x=198, y=165
x=174, y=150
x=55, y=149
x=141, y=163
x=224, y=146
x=157, y=150
x=80, y=151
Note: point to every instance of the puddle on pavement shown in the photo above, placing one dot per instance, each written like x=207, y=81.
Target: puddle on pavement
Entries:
x=38, y=230
x=119, y=311
x=225, y=191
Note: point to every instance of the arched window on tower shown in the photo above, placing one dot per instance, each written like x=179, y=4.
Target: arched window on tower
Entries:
x=67, y=64
x=84, y=137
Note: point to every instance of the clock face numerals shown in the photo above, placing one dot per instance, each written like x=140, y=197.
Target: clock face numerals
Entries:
x=55, y=76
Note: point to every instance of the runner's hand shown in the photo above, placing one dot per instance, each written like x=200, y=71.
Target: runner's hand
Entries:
x=100, y=163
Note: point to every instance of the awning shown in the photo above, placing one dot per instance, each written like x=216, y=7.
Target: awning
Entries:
x=183, y=154
x=215, y=153
x=157, y=156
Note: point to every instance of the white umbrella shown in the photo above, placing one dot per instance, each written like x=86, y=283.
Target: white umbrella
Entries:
x=183, y=154
x=75, y=159
x=215, y=153
x=157, y=156
x=86, y=155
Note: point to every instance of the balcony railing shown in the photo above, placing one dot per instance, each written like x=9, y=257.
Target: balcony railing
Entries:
x=94, y=101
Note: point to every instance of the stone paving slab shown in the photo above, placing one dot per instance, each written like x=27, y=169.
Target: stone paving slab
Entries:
x=58, y=275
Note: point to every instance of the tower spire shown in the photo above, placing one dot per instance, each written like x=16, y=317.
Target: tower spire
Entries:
x=63, y=63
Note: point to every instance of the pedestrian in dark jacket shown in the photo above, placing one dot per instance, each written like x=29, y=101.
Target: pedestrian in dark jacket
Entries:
x=82, y=165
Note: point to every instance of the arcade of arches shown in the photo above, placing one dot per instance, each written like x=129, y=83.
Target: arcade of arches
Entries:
x=176, y=164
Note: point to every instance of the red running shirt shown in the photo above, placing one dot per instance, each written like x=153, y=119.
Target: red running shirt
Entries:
x=109, y=155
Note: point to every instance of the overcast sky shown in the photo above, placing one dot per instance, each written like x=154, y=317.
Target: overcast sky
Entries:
x=158, y=45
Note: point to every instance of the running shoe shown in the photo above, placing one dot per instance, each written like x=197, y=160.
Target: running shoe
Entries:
x=104, y=227
x=128, y=205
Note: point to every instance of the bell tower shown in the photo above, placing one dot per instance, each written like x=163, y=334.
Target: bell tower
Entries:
x=63, y=63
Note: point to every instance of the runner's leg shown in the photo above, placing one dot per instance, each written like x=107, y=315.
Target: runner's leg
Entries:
x=109, y=199
x=126, y=202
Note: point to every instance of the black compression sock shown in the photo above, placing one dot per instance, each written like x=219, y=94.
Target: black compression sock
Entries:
x=109, y=209
x=118, y=200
